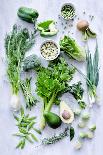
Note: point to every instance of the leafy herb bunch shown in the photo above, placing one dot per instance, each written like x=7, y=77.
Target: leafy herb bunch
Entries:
x=17, y=43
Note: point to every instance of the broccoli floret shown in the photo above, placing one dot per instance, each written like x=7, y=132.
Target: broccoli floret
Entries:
x=31, y=62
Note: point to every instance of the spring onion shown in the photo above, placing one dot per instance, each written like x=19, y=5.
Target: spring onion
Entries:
x=16, y=44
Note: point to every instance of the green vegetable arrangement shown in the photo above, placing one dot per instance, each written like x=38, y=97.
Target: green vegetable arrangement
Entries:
x=70, y=47
x=52, y=82
x=26, y=89
x=16, y=43
x=77, y=91
x=92, y=74
x=25, y=125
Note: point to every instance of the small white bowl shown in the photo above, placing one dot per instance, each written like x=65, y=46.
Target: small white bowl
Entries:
x=70, y=4
x=58, y=50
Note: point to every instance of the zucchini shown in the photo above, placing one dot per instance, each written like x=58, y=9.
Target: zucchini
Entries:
x=28, y=14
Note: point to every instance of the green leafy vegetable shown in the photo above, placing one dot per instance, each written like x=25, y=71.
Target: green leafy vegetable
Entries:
x=52, y=82
x=77, y=91
x=82, y=104
x=69, y=46
x=31, y=62
x=25, y=126
x=72, y=133
x=26, y=89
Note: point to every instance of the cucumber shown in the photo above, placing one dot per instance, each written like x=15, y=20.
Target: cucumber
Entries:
x=28, y=14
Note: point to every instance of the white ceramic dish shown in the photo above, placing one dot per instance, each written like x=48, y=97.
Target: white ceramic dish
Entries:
x=70, y=4
x=58, y=50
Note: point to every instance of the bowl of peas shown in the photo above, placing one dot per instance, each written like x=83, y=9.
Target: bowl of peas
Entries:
x=68, y=11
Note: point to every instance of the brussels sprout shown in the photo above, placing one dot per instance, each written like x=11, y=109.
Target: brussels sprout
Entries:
x=78, y=145
x=92, y=127
x=90, y=135
x=85, y=116
x=77, y=112
x=81, y=124
x=82, y=135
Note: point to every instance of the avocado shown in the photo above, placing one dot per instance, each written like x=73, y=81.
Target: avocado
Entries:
x=52, y=120
x=66, y=113
x=47, y=28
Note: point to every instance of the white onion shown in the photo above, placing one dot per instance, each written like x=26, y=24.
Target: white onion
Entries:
x=15, y=102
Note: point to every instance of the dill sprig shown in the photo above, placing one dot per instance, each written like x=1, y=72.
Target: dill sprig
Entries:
x=16, y=43
x=56, y=138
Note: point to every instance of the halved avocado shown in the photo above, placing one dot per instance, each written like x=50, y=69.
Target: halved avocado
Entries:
x=66, y=113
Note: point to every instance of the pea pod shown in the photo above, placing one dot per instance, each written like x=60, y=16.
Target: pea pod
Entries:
x=28, y=14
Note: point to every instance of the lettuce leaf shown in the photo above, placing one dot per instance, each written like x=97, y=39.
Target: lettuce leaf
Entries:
x=73, y=50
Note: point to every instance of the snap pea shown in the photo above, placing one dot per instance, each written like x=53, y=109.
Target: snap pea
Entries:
x=29, y=139
x=23, y=130
x=25, y=125
x=31, y=125
x=34, y=137
x=23, y=144
x=38, y=131
x=19, y=144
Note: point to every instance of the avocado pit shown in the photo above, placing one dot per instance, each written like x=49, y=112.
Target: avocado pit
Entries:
x=66, y=115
